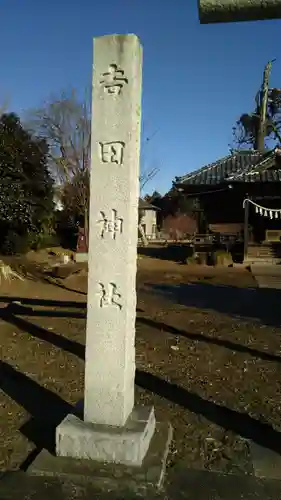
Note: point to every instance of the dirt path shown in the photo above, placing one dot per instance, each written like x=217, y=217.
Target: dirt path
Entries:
x=207, y=352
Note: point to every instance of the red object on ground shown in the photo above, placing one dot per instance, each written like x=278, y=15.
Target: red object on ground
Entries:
x=81, y=241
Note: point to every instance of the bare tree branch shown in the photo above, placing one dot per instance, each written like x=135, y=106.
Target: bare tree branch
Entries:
x=148, y=175
x=65, y=122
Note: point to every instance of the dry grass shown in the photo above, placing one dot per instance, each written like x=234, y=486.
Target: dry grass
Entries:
x=207, y=351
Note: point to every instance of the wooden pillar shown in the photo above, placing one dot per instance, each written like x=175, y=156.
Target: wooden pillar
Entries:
x=246, y=228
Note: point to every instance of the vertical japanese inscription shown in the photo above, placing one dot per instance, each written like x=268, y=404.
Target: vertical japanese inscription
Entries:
x=113, y=80
x=112, y=225
x=112, y=152
x=108, y=295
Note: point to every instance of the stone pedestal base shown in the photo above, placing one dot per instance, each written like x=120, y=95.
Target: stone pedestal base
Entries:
x=110, y=476
x=126, y=445
x=81, y=257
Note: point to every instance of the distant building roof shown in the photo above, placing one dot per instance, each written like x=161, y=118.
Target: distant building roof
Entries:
x=242, y=166
x=144, y=205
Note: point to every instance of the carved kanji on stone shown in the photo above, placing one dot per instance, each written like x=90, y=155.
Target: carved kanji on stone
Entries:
x=111, y=225
x=113, y=80
x=112, y=152
x=108, y=295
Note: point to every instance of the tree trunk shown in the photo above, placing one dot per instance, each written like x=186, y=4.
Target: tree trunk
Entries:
x=261, y=133
x=143, y=237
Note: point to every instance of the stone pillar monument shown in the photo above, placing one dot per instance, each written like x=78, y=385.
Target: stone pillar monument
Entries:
x=110, y=344
x=113, y=436
x=113, y=430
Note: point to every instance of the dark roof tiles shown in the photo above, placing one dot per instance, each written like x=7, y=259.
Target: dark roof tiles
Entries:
x=245, y=166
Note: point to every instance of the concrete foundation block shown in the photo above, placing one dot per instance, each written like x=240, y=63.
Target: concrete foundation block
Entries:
x=126, y=445
x=105, y=476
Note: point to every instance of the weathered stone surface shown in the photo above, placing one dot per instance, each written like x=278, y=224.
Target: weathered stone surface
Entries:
x=121, y=445
x=111, y=430
x=114, y=187
x=108, y=475
x=266, y=463
x=222, y=11
x=183, y=484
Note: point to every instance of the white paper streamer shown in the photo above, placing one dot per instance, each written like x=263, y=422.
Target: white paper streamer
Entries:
x=273, y=213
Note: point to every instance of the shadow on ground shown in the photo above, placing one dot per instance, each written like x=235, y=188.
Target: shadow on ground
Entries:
x=54, y=282
x=232, y=420
x=72, y=304
x=254, y=303
x=48, y=409
x=13, y=314
x=45, y=407
x=200, y=337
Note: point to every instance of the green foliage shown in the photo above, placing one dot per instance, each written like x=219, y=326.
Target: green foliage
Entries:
x=14, y=243
x=40, y=240
x=246, y=129
x=263, y=124
x=26, y=201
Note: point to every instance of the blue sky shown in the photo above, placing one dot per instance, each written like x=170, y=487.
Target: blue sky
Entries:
x=197, y=79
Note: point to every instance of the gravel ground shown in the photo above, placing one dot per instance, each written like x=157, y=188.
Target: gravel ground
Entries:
x=207, y=352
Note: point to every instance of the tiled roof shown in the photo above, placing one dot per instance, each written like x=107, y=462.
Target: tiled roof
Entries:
x=265, y=176
x=250, y=166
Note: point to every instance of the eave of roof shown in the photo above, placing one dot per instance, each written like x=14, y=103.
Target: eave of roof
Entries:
x=250, y=166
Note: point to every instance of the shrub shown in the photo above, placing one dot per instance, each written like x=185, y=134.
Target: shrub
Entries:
x=221, y=258
x=13, y=243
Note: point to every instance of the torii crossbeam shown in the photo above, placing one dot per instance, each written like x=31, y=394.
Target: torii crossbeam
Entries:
x=231, y=11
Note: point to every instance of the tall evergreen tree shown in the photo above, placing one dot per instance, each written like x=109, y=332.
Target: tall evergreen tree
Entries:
x=26, y=187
